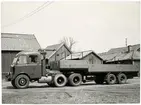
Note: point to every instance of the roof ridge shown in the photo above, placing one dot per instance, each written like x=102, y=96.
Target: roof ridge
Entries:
x=53, y=45
x=16, y=34
x=125, y=46
x=83, y=51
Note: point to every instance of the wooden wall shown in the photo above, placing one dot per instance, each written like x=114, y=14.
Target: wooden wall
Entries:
x=6, y=60
x=60, y=54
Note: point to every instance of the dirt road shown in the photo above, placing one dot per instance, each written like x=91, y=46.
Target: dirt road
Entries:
x=89, y=93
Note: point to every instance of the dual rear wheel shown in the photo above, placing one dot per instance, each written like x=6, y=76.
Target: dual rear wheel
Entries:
x=121, y=78
x=60, y=80
x=75, y=79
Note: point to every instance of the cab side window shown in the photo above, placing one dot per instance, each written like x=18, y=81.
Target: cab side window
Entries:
x=33, y=58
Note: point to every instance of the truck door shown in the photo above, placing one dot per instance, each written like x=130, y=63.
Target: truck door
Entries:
x=34, y=66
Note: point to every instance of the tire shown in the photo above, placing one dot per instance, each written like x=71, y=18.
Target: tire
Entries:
x=59, y=80
x=75, y=79
x=21, y=81
x=13, y=83
x=122, y=78
x=99, y=80
x=111, y=79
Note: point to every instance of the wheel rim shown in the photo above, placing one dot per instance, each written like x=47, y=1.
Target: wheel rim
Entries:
x=122, y=79
x=22, y=81
x=76, y=80
x=112, y=79
x=60, y=80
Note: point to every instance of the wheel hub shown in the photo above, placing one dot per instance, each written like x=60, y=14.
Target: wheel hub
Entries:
x=122, y=78
x=112, y=79
x=76, y=79
x=60, y=80
x=22, y=81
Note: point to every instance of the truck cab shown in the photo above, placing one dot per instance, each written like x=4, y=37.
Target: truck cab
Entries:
x=26, y=64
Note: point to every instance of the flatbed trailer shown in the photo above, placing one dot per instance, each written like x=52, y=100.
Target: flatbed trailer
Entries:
x=95, y=68
x=110, y=73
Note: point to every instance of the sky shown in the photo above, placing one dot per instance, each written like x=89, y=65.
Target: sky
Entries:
x=94, y=25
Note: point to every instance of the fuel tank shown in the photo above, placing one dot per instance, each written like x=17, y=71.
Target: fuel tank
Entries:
x=45, y=79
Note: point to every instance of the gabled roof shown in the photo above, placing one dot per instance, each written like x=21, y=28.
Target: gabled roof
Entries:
x=81, y=55
x=18, y=42
x=119, y=54
x=55, y=47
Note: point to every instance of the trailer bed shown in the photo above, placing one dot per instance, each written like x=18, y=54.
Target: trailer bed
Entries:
x=94, y=68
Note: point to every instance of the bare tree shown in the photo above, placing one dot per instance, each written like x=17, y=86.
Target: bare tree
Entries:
x=69, y=41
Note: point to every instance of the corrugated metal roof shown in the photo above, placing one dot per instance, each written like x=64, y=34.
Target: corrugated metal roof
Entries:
x=18, y=42
x=124, y=49
x=118, y=54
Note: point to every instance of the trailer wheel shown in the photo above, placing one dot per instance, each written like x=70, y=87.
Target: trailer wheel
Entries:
x=111, y=79
x=122, y=78
x=13, y=83
x=21, y=81
x=59, y=80
x=75, y=79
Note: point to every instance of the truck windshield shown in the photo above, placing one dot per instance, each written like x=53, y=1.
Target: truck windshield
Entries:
x=22, y=59
x=14, y=60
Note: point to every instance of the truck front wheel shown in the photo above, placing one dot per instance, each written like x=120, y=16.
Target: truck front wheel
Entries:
x=75, y=79
x=59, y=80
x=122, y=78
x=110, y=79
x=21, y=81
x=13, y=83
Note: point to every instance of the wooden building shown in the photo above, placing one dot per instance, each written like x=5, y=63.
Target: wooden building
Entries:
x=12, y=43
x=90, y=56
x=60, y=52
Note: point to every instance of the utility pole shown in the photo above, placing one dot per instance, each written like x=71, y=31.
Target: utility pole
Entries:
x=126, y=42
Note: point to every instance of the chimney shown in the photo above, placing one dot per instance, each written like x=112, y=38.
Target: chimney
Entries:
x=129, y=48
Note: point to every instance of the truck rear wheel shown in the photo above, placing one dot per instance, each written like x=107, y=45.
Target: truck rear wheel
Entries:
x=122, y=78
x=111, y=79
x=59, y=80
x=21, y=81
x=75, y=79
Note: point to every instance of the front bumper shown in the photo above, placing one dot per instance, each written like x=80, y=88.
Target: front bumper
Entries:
x=8, y=76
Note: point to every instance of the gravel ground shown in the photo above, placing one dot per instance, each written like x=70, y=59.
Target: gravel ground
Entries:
x=89, y=93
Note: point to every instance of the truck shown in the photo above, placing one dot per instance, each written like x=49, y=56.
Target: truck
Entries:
x=32, y=66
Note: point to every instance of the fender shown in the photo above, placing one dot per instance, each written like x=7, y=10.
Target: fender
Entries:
x=15, y=75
